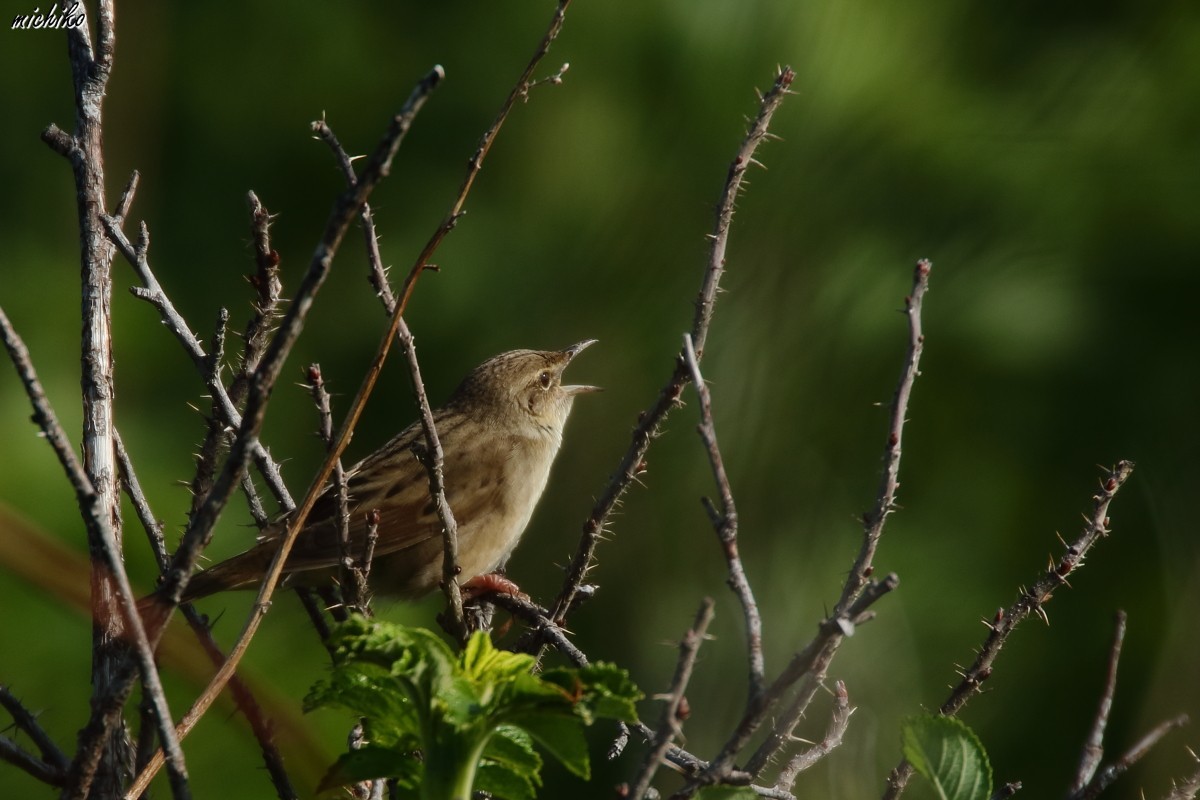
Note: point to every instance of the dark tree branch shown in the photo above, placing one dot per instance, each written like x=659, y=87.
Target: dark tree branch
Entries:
x=673, y=713
x=633, y=462
x=1028, y=603
x=725, y=522
x=11, y=752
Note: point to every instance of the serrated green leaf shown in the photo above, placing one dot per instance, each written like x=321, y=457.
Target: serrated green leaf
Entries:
x=370, y=762
x=948, y=753
x=513, y=748
x=562, y=737
x=499, y=781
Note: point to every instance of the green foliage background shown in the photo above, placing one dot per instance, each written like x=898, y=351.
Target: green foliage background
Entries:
x=1043, y=156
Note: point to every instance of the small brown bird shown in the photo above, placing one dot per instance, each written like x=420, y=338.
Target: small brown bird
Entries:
x=500, y=432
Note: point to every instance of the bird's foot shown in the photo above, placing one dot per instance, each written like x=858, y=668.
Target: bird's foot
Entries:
x=488, y=583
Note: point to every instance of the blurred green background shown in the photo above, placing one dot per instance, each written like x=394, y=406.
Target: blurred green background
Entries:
x=1046, y=157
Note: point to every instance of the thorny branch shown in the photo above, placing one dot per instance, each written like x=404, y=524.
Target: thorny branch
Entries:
x=633, y=462
x=199, y=530
x=673, y=712
x=260, y=725
x=1030, y=602
x=53, y=765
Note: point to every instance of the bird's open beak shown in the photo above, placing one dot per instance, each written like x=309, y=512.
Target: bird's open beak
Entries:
x=571, y=352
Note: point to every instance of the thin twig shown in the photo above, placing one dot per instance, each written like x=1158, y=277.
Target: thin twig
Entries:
x=725, y=522
x=12, y=752
x=633, y=462
x=1028, y=603
x=152, y=292
x=839, y=720
x=268, y=291
x=672, y=716
x=1093, y=748
x=1107, y=776
x=539, y=619
x=431, y=455
x=432, y=458
x=260, y=725
x=353, y=583
x=859, y=592
x=26, y=721
x=859, y=588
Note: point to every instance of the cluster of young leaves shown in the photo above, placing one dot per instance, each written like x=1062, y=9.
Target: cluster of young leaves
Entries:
x=443, y=724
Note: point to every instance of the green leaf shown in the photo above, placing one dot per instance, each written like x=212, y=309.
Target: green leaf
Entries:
x=947, y=753
x=512, y=747
x=728, y=793
x=562, y=737
x=475, y=716
x=370, y=762
x=600, y=690
x=499, y=781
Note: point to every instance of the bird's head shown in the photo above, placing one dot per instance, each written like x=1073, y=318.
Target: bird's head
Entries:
x=523, y=388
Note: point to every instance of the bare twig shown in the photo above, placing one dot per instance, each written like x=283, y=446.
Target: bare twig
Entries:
x=839, y=720
x=431, y=455
x=633, y=462
x=859, y=592
x=353, y=583
x=1107, y=776
x=432, y=458
x=539, y=619
x=268, y=292
x=725, y=522
x=673, y=715
x=223, y=405
x=1028, y=603
x=260, y=725
x=1093, y=748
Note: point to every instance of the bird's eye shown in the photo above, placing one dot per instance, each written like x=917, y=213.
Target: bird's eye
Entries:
x=544, y=379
